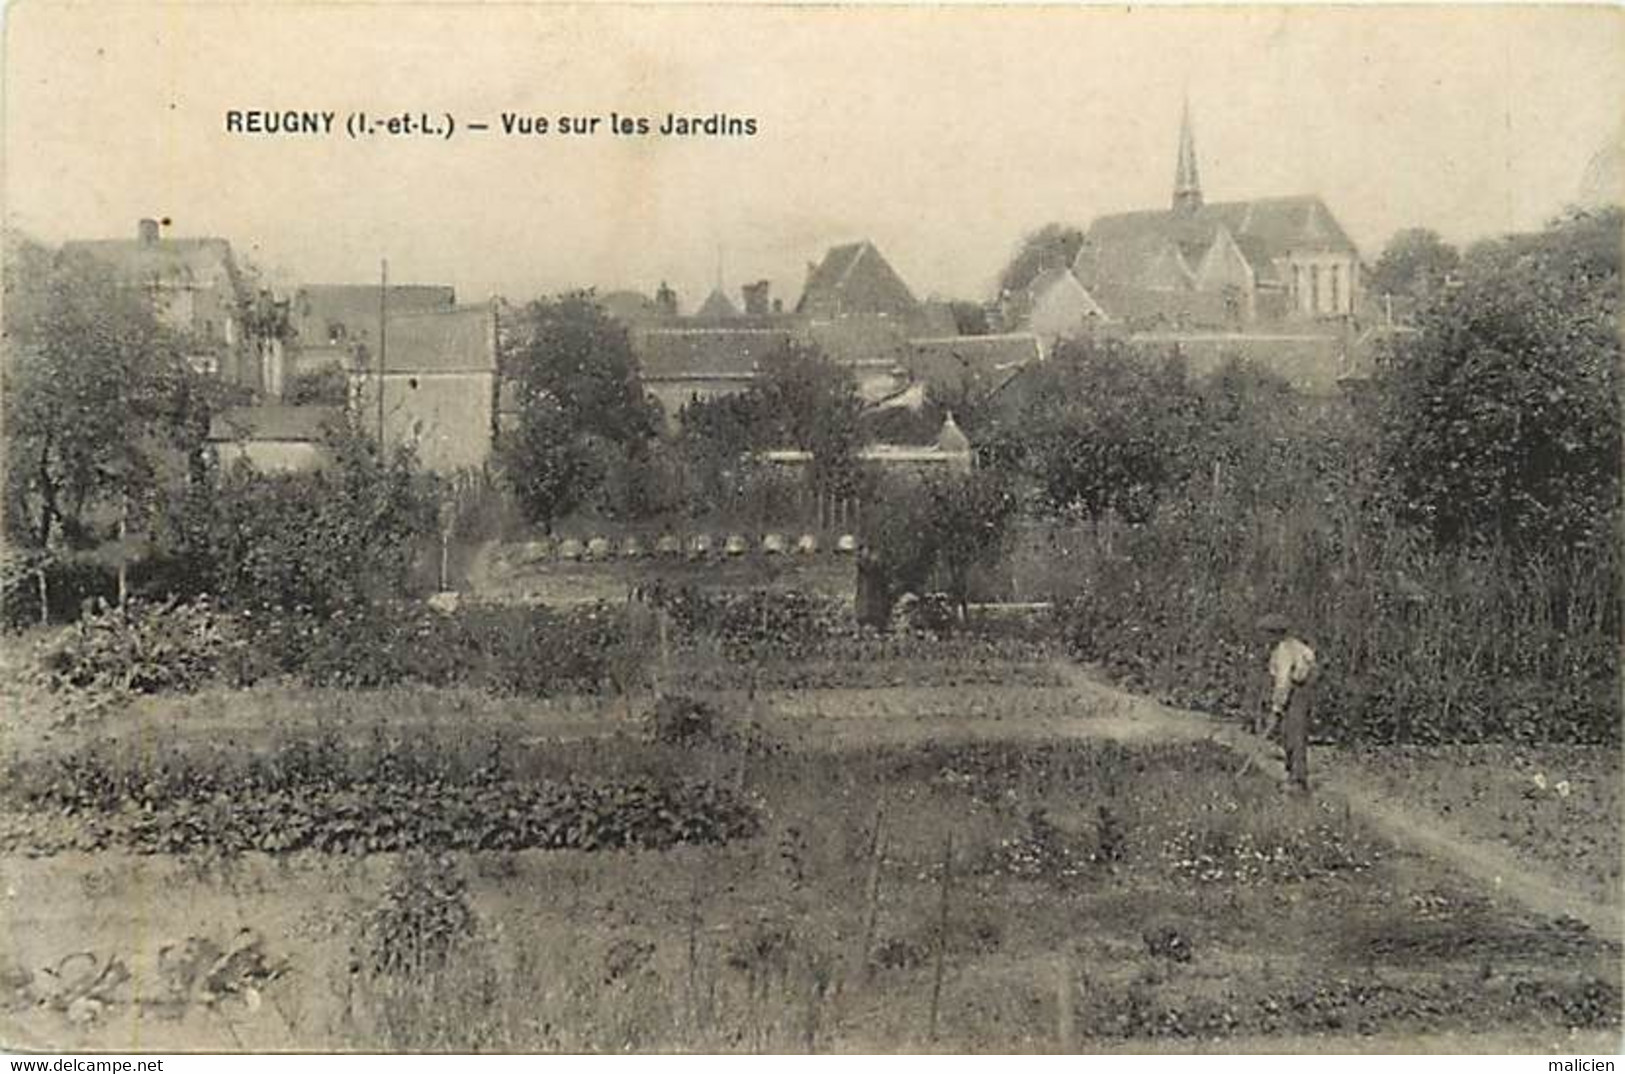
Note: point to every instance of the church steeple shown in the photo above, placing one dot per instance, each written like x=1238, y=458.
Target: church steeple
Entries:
x=1187, y=182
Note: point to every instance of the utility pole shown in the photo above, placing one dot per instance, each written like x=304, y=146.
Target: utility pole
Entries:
x=383, y=328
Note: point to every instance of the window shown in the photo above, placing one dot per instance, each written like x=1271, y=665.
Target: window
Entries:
x=1337, y=293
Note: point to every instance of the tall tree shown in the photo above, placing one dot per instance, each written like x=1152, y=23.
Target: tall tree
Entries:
x=1415, y=264
x=1501, y=416
x=577, y=385
x=1051, y=246
x=1104, y=427
x=100, y=406
x=807, y=401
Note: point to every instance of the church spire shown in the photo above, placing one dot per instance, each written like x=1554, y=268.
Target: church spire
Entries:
x=1187, y=183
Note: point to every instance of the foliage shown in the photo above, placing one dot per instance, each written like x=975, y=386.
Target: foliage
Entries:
x=423, y=916
x=327, y=386
x=1051, y=246
x=802, y=400
x=1416, y=263
x=139, y=648
x=504, y=650
x=101, y=409
x=578, y=387
x=315, y=542
x=1501, y=418
x=1103, y=428
x=683, y=721
x=320, y=795
x=970, y=318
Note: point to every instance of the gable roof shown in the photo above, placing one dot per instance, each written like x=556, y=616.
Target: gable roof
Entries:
x=716, y=307
x=461, y=340
x=297, y=424
x=204, y=262
x=704, y=353
x=319, y=306
x=975, y=365
x=855, y=279
x=1119, y=248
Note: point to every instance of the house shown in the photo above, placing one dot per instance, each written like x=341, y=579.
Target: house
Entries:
x=330, y=321
x=685, y=363
x=1230, y=265
x=196, y=288
x=970, y=368
x=950, y=453
x=1055, y=307
x=433, y=385
x=273, y=439
x=854, y=280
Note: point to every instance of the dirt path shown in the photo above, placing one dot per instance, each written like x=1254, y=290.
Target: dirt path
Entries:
x=1427, y=833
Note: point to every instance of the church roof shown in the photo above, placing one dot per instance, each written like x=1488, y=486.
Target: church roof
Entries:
x=1121, y=248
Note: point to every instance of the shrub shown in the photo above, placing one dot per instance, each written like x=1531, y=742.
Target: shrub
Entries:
x=322, y=795
x=139, y=648
x=683, y=721
x=423, y=916
x=319, y=542
x=507, y=650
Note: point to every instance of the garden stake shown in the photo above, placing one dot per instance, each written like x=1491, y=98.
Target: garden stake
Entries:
x=1066, y=1033
x=942, y=929
x=877, y=853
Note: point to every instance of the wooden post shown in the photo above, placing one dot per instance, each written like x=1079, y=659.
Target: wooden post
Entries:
x=942, y=931
x=1066, y=1031
x=877, y=855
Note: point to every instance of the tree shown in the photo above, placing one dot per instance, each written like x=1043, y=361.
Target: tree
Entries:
x=1105, y=427
x=1051, y=246
x=577, y=387
x=969, y=520
x=805, y=400
x=970, y=318
x=101, y=408
x=323, y=542
x=1501, y=417
x=1414, y=264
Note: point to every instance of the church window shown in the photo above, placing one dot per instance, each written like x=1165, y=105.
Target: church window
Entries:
x=1314, y=288
x=1337, y=293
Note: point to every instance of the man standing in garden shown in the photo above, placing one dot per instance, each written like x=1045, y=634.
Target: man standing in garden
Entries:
x=1292, y=676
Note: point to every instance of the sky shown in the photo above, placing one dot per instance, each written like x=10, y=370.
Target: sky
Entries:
x=942, y=134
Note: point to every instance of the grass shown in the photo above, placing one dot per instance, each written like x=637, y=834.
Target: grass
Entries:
x=1167, y=899
x=1556, y=806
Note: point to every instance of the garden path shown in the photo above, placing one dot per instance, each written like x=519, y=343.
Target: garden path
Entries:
x=1483, y=862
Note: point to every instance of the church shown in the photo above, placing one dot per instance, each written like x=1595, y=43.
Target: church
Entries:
x=1222, y=266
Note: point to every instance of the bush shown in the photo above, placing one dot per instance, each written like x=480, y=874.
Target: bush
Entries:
x=422, y=918
x=683, y=721
x=321, y=795
x=140, y=648
x=316, y=542
x=506, y=650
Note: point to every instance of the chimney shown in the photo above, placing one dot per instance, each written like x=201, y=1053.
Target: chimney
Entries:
x=147, y=231
x=756, y=304
x=666, y=300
